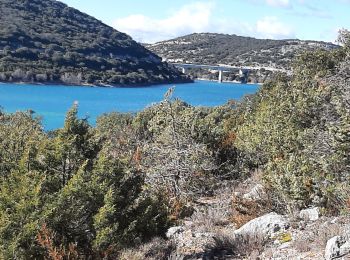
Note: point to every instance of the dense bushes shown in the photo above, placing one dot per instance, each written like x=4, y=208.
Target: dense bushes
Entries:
x=296, y=131
x=65, y=187
x=94, y=191
x=180, y=147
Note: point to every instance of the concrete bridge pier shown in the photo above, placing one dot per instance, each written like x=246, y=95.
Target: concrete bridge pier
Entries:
x=243, y=74
x=243, y=71
x=220, y=76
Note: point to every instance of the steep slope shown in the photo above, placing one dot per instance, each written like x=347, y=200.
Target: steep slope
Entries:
x=211, y=48
x=45, y=40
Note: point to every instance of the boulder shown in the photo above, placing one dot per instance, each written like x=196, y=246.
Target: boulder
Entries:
x=337, y=247
x=311, y=214
x=265, y=225
x=174, y=231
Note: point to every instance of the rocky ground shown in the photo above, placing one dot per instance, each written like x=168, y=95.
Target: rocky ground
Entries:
x=212, y=231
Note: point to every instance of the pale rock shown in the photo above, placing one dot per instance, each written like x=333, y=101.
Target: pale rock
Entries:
x=174, y=231
x=237, y=194
x=337, y=247
x=285, y=245
x=335, y=220
x=265, y=225
x=311, y=214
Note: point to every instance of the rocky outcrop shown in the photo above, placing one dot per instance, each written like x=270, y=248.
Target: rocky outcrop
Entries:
x=337, y=247
x=265, y=225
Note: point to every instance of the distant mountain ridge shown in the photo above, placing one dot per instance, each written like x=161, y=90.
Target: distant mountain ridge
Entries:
x=213, y=48
x=47, y=41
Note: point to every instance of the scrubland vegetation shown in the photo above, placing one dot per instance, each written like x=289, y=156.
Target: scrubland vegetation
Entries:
x=84, y=192
x=214, y=48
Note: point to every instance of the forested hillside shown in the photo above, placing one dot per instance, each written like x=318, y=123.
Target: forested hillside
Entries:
x=112, y=191
x=47, y=41
x=212, y=48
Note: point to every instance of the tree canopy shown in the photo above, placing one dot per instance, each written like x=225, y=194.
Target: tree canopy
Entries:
x=47, y=41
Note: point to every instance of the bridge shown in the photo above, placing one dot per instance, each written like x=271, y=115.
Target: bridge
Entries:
x=243, y=70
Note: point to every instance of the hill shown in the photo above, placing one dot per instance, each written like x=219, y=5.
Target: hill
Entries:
x=212, y=48
x=47, y=41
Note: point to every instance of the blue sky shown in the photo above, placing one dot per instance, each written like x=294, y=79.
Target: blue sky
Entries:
x=156, y=20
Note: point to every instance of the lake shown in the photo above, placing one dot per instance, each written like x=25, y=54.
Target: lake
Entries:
x=52, y=101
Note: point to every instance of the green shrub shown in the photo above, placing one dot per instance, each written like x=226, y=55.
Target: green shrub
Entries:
x=296, y=130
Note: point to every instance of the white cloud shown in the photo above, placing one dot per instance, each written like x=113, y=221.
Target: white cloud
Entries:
x=190, y=18
x=311, y=9
x=271, y=27
x=197, y=18
x=274, y=3
x=279, y=3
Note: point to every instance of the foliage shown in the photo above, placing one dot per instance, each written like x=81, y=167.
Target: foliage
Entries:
x=139, y=215
x=296, y=131
x=182, y=149
x=20, y=215
x=46, y=239
x=212, y=48
x=47, y=41
x=62, y=194
x=20, y=134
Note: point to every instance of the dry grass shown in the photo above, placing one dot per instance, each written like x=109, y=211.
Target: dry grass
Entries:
x=251, y=246
x=245, y=186
x=303, y=245
x=131, y=255
x=157, y=249
x=179, y=208
x=210, y=219
x=315, y=237
x=244, y=210
x=323, y=234
x=229, y=245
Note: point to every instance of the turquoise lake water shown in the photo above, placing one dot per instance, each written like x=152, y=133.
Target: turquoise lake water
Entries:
x=52, y=101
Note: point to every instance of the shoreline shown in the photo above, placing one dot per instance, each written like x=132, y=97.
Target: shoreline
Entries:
x=59, y=83
x=85, y=85
x=229, y=81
